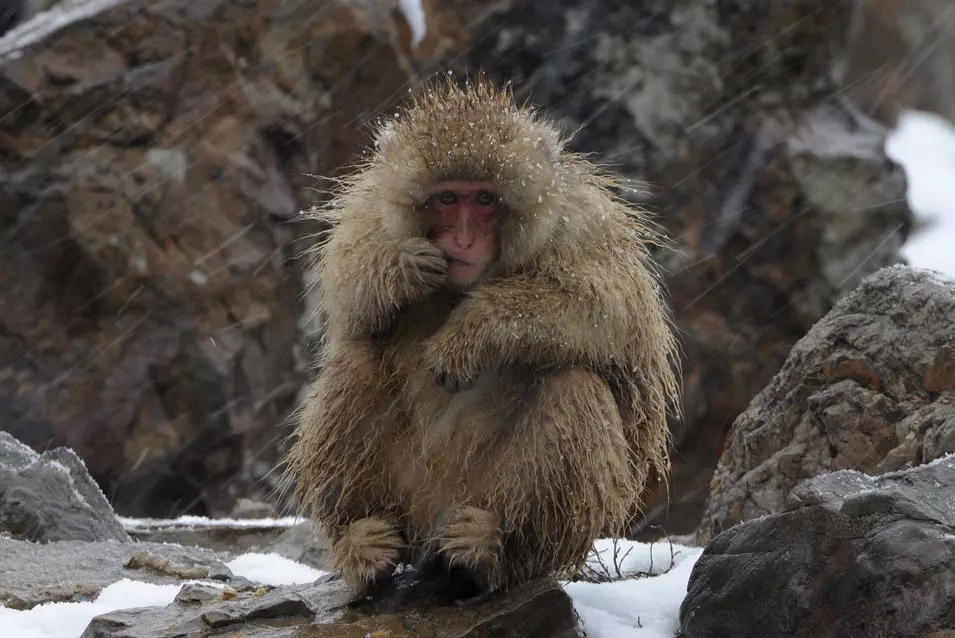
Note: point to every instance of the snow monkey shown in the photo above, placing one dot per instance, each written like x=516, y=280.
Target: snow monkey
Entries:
x=498, y=363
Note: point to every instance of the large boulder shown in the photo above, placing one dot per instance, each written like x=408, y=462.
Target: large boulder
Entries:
x=51, y=497
x=852, y=555
x=870, y=388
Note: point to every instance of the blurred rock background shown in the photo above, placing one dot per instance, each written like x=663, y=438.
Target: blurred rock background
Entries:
x=153, y=156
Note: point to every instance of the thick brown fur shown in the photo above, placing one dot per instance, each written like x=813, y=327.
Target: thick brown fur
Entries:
x=564, y=348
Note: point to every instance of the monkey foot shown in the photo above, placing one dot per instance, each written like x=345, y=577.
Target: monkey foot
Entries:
x=368, y=549
x=472, y=540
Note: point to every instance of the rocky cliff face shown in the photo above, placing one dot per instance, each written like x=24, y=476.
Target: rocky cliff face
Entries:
x=152, y=157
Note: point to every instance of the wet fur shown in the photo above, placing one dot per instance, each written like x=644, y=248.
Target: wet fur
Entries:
x=564, y=348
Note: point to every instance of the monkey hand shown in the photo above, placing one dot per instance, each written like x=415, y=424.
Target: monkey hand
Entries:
x=454, y=354
x=422, y=268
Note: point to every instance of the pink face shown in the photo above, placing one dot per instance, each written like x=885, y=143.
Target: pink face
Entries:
x=465, y=219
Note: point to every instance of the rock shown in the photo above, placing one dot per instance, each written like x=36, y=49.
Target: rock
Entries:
x=899, y=58
x=852, y=555
x=72, y=571
x=541, y=609
x=248, y=508
x=778, y=197
x=303, y=544
x=51, y=497
x=220, y=536
x=869, y=388
x=152, y=156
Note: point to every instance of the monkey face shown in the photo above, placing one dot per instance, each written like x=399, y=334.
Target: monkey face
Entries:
x=465, y=217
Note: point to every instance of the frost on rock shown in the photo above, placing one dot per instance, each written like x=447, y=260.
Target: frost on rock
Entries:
x=13, y=454
x=46, y=22
x=924, y=145
x=414, y=14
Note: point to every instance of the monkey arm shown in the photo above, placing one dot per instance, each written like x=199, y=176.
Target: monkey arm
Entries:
x=367, y=279
x=544, y=319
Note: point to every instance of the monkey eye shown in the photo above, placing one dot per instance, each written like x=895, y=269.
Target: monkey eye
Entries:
x=483, y=198
x=447, y=198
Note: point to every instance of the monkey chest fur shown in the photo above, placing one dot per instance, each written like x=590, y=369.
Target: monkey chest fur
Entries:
x=446, y=449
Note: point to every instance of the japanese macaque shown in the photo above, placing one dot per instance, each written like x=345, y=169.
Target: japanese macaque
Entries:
x=498, y=362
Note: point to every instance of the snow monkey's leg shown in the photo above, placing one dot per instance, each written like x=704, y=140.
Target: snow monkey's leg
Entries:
x=554, y=484
x=334, y=463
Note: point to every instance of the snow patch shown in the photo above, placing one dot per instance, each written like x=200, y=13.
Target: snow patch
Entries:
x=132, y=524
x=272, y=569
x=69, y=620
x=414, y=14
x=923, y=144
x=638, y=607
x=635, y=558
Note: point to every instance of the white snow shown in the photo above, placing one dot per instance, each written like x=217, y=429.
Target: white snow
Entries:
x=924, y=145
x=639, y=607
x=272, y=569
x=414, y=14
x=44, y=23
x=69, y=620
x=202, y=521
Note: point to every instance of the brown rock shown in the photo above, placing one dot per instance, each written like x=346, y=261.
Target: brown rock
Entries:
x=852, y=395
x=940, y=376
x=900, y=57
x=151, y=158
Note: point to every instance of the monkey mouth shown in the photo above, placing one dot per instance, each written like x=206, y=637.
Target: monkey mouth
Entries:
x=455, y=261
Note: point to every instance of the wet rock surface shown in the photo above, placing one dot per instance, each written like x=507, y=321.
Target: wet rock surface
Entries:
x=870, y=388
x=324, y=609
x=52, y=497
x=299, y=542
x=73, y=571
x=221, y=536
x=851, y=555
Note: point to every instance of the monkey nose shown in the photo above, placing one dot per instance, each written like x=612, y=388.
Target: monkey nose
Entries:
x=465, y=236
